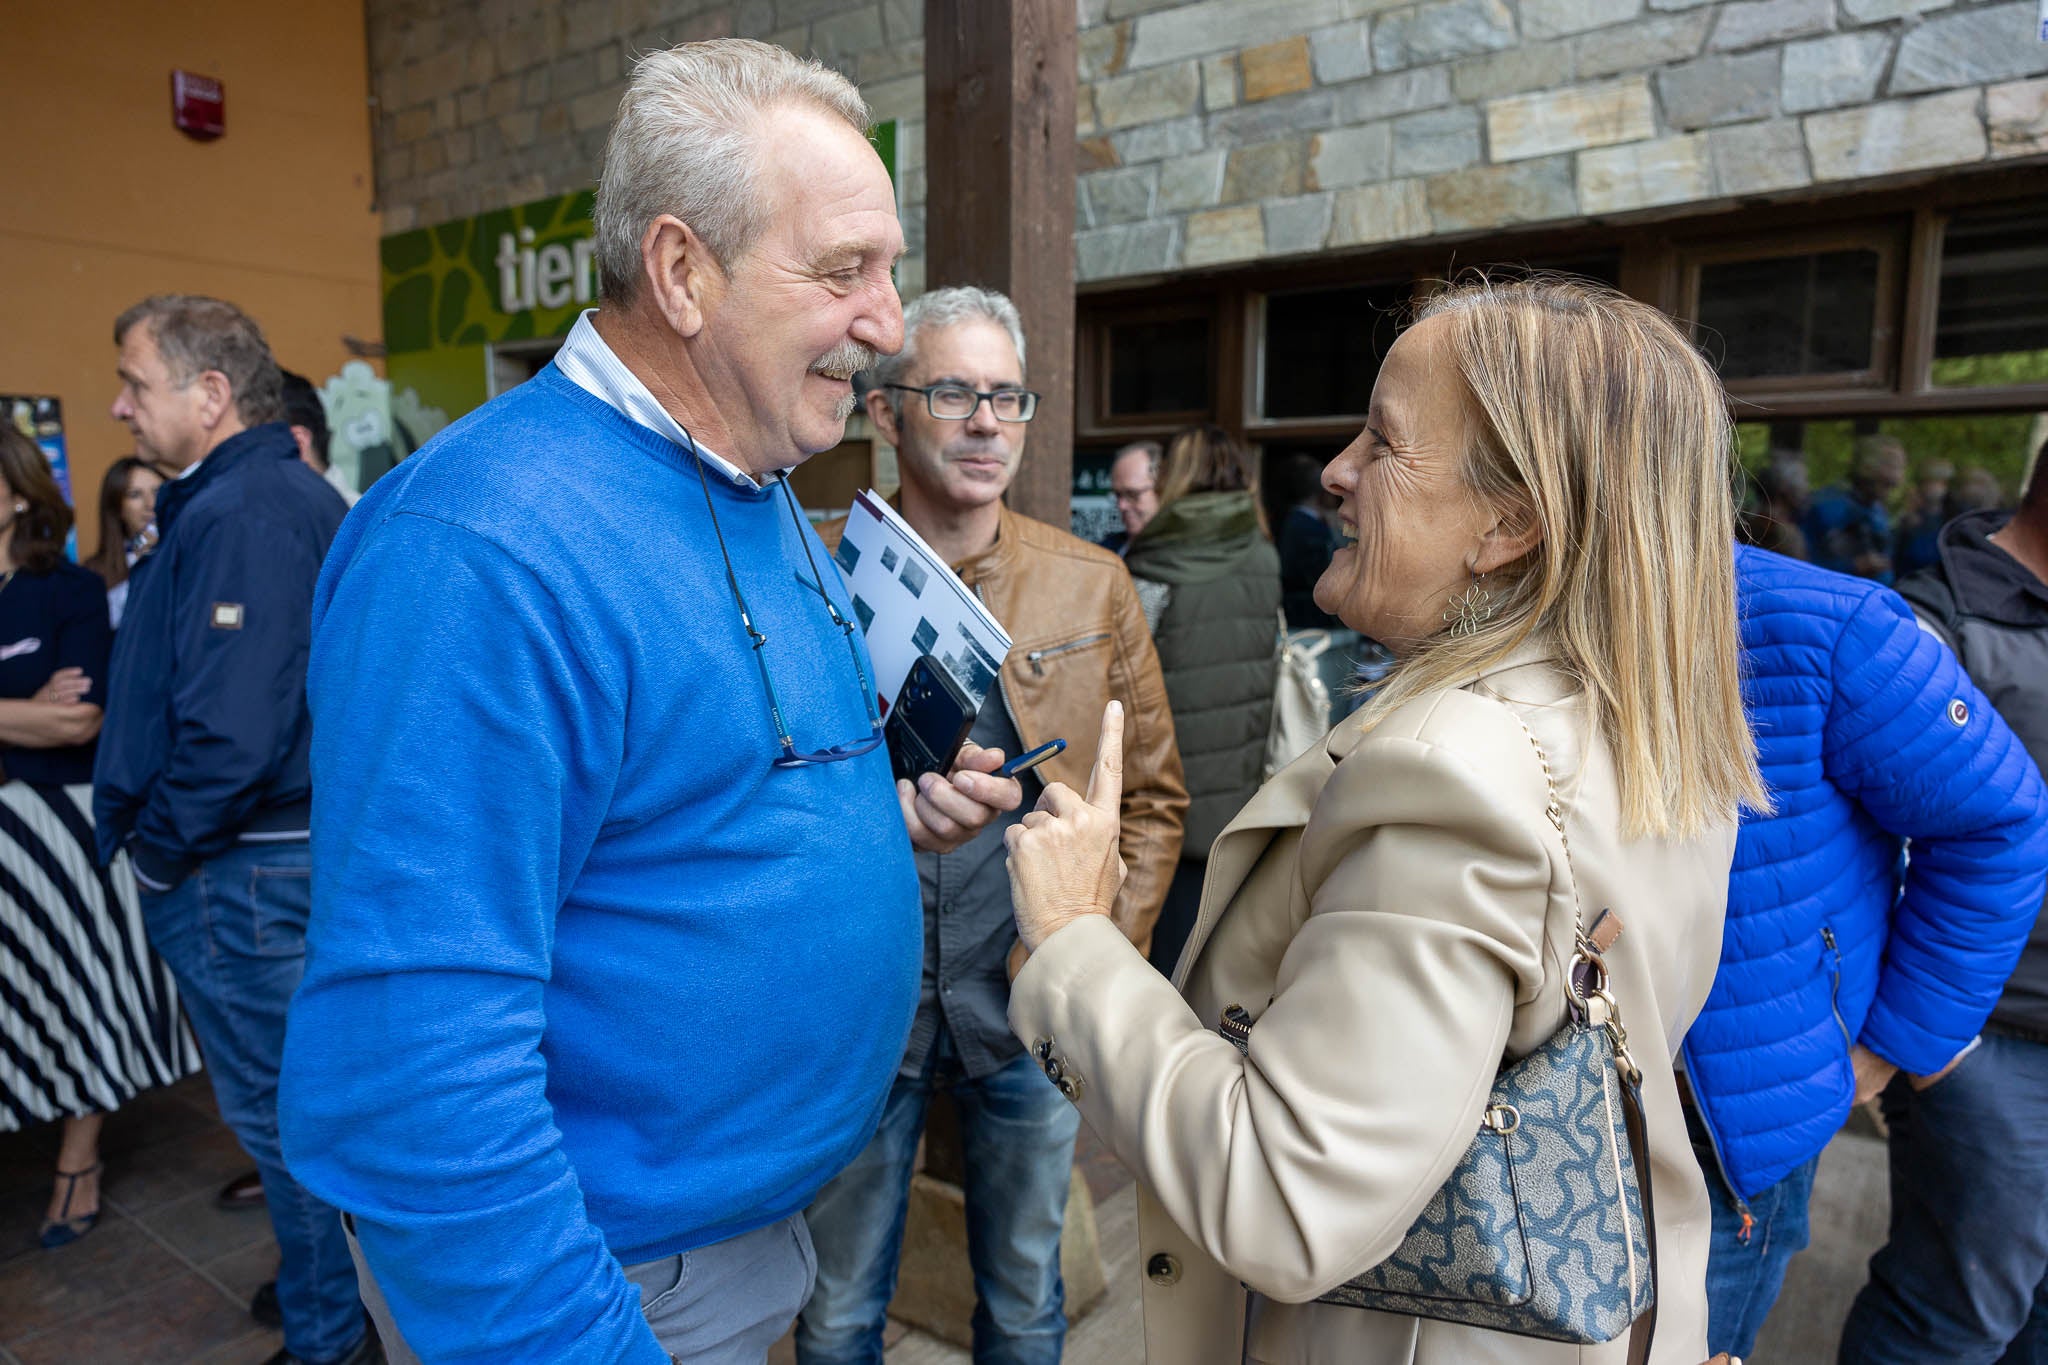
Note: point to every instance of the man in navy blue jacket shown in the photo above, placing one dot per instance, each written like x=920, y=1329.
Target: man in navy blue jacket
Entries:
x=203, y=775
x=1843, y=963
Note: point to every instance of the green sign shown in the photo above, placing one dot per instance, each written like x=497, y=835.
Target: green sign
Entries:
x=509, y=275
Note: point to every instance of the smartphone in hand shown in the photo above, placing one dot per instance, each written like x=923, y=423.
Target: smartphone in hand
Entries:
x=929, y=721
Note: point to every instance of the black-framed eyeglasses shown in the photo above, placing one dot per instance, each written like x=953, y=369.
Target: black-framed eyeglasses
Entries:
x=957, y=402
x=790, y=757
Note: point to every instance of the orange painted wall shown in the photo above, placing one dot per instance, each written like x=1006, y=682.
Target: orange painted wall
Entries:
x=103, y=201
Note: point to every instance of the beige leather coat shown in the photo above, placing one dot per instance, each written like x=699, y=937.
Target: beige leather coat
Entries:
x=1397, y=911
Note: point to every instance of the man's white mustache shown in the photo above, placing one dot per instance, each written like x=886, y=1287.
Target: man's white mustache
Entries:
x=844, y=360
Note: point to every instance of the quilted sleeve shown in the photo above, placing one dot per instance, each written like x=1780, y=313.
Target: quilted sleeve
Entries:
x=1912, y=739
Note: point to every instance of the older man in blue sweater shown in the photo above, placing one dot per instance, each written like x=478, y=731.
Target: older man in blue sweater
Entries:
x=615, y=941
x=1845, y=963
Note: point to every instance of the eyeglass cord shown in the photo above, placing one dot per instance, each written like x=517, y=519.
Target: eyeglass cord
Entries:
x=739, y=598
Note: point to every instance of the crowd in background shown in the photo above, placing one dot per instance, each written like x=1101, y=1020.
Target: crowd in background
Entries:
x=1880, y=523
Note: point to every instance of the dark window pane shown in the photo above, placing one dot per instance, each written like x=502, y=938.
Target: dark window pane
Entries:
x=1323, y=348
x=1159, y=366
x=1991, y=327
x=1791, y=315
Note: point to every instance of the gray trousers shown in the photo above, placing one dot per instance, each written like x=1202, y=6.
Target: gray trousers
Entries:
x=724, y=1304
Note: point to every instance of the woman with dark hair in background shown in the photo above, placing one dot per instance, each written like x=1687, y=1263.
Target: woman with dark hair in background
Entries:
x=1209, y=582
x=88, y=1016
x=127, y=527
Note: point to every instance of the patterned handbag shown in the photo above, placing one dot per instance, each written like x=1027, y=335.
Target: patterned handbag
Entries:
x=1545, y=1228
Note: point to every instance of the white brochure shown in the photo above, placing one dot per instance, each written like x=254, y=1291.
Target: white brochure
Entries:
x=910, y=603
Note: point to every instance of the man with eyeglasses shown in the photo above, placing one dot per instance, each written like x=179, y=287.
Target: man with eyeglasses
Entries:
x=954, y=405
x=1133, y=484
x=615, y=941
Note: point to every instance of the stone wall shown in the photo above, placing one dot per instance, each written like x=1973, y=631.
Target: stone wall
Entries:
x=1234, y=130
x=484, y=103
x=1222, y=131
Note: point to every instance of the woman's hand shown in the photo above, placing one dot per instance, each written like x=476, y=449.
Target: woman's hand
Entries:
x=1063, y=859
x=65, y=686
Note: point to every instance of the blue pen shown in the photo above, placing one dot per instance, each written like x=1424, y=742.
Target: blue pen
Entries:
x=1024, y=763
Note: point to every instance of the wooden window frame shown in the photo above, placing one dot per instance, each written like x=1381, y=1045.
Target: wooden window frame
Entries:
x=1930, y=241
x=1256, y=422
x=1888, y=240
x=1093, y=413
x=1652, y=251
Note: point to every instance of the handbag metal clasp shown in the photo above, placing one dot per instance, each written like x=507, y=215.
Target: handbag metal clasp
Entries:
x=1593, y=1004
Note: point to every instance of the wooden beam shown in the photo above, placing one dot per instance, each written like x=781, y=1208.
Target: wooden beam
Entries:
x=999, y=205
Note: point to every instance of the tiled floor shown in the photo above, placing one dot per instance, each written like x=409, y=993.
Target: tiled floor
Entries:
x=165, y=1277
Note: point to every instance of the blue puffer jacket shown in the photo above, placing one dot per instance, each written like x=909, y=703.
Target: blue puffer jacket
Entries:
x=1869, y=733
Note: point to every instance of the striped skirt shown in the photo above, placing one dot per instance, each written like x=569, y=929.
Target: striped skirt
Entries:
x=89, y=1017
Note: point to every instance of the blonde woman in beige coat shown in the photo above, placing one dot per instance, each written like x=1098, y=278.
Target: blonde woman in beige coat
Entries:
x=1542, y=518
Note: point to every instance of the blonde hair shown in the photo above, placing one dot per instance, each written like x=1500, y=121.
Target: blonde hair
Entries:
x=1594, y=415
x=1202, y=459
x=686, y=141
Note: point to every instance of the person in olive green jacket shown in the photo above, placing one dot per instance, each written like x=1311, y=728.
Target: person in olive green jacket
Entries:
x=1209, y=580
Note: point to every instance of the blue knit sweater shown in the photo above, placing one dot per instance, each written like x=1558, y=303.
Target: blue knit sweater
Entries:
x=1869, y=734
x=589, y=982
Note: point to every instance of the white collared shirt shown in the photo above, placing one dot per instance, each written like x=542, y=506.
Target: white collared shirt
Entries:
x=589, y=363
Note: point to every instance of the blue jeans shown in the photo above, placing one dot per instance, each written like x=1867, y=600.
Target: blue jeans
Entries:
x=1745, y=1275
x=1962, y=1276
x=1018, y=1133
x=234, y=936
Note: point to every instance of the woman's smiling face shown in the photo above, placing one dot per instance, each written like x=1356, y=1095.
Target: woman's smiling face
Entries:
x=1414, y=531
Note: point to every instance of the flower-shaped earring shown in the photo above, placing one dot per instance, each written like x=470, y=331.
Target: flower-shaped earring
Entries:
x=1471, y=609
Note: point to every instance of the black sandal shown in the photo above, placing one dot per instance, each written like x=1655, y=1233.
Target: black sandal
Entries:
x=62, y=1231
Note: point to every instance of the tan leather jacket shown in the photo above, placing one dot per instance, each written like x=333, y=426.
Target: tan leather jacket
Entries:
x=1397, y=911
x=1078, y=639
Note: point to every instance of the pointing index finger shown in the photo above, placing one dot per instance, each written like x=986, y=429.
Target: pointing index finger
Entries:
x=1106, y=778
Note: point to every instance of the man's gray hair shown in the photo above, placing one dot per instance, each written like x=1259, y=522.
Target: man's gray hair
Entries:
x=946, y=307
x=195, y=334
x=1152, y=451
x=685, y=142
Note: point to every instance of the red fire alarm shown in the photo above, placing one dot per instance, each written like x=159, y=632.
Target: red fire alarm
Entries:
x=198, y=105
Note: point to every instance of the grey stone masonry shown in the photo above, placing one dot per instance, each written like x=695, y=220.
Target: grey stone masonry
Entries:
x=484, y=103
x=1420, y=118
x=1216, y=132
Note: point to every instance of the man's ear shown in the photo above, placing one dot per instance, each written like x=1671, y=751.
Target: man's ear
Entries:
x=883, y=414
x=1513, y=534
x=216, y=398
x=682, y=277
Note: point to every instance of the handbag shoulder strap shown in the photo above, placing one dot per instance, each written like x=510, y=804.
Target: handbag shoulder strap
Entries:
x=1587, y=984
x=1553, y=809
